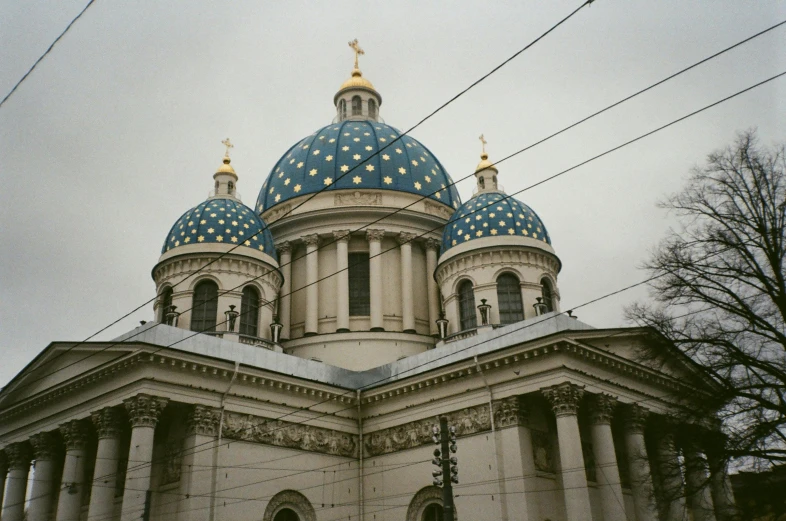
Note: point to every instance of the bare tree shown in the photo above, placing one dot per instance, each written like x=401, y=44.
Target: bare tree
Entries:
x=719, y=296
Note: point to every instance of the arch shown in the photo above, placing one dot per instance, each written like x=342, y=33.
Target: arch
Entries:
x=204, y=306
x=357, y=106
x=372, y=109
x=468, y=318
x=164, y=302
x=342, y=109
x=425, y=497
x=204, y=276
x=289, y=500
x=547, y=292
x=230, y=187
x=249, y=311
x=511, y=307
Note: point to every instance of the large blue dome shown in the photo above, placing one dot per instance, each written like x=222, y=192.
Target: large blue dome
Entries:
x=493, y=214
x=221, y=221
x=340, y=149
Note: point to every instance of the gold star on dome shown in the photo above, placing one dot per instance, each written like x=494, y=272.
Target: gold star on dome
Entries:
x=247, y=243
x=240, y=232
x=454, y=242
x=356, y=179
x=210, y=230
x=201, y=238
x=356, y=157
x=534, y=235
x=312, y=172
x=370, y=168
x=356, y=139
x=414, y=163
x=382, y=139
x=328, y=181
x=344, y=168
x=386, y=157
x=369, y=148
x=329, y=158
x=346, y=133
x=402, y=170
x=291, y=160
x=271, y=191
x=524, y=232
x=221, y=221
x=278, y=197
x=212, y=215
x=422, y=160
x=492, y=214
x=438, y=196
x=203, y=221
x=297, y=188
x=509, y=214
x=511, y=231
x=219, y=238
x=428, y=179
x=234, y=223
x=409, y=145
x=228, y=230
x=466, y=237
x=234, y=239
x=300, y=165
x=345, y=148
x=245, y=226
x=417, y=185
x=261, y=248
x=479, y=233
x=187, y=239
x=331, y=140
x=315, y=152
x=305, y=147
x=502, y=223
x=399, y=151
x=177, y=243
x=493, y=231
x=387, y=180
x=287, y=181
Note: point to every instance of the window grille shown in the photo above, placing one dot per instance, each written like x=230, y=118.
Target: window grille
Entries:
x=467, y=313
x=249, y=312
x=205, y=306
x=359, y=285
x=511, y=308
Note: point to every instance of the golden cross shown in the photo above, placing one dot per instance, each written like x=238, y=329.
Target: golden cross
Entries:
x=357, y=49
x=227, y=144
x=483, y=142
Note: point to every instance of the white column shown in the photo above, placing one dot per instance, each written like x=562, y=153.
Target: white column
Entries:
x=3, y=474
x=285, y=302
x=72, y=485
x=565, y=399
x=697, y=481
x=143, y=413
x=102, y=498
x=432, y=245
x=197, y=470
x=639, y=464
x=671, y=490
x=16, y=485
x=342, y=280
x=606, y=469
x=375, y=275
x=312, y=286
x=720, y=485
x=407, y=290
x=515, y=459
x=46, y=453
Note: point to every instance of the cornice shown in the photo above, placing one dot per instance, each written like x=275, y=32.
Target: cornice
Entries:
x=232, y=265
x=508, y=256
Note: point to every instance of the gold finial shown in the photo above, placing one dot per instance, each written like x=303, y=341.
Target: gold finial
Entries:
x=229, y=145
x=358, y=51
x=483, y=143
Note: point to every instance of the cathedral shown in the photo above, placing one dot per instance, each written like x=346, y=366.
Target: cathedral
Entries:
x=304, y=348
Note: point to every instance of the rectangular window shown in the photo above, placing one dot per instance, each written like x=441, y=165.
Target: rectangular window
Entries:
x=359, y=285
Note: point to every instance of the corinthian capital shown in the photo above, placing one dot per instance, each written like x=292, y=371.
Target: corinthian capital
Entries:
x=284, y=247
x=107, y=422
x=18, y=455
x=202, y=420
x=432, y=244
x=45, y=446
x=635, y=418
x=406, y=238
x=564, y=398
x=311, y=240
x=341, y=235
x=602, y=408
x=144, y=410
x=374, y=235
x=74, y=434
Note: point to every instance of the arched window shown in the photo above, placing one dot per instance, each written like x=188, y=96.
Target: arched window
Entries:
x=494, y=180
x=433, y=512
x=481, y=182
x=205, y=306
x=548, y=294
x=467, y=315
x=164, y=303
x=249, y=312
x=357, y=106
x=511, y=309
x=216, y=186
x=231, y=187
x=286, y=514
x=359, y=285
x=342, y=109
x=372, y=109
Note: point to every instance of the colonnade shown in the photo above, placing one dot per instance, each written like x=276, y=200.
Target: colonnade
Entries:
x=374, y=239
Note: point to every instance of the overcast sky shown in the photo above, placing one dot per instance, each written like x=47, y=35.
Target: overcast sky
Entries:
x=118, y=130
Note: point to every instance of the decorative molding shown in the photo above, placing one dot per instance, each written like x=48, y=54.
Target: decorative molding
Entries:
x=45, y=446
x=426, y=496
x=279, y=433
x=311, y=240
x=432, y=244
x=602, y=408
x=406, y=238
x=107, y=422
x=203, y=421
x=507, y=413
x=284, y=247
x=515, y=259
x=19, y=455
x=438, y=209
x=292, y=500
x=375, y=235
x=635, y=418
x=144, y=410
x=358, y=199
x=341, y=235
x=277, y=213
x=564, y=398
x=74, y=434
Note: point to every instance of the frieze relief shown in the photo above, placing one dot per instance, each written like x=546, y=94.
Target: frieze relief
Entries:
x=507, y=413
x=278, y=213
x=439, y=210
x=358, y=198
x=279, y=433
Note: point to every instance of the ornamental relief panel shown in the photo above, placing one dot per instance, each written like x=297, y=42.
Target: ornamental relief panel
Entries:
x=276, y=214
x=358, y=198
x=439, y=210
x=507, y=413
x=256, y=429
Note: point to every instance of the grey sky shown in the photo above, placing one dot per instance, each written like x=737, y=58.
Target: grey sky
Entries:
x=118, y=131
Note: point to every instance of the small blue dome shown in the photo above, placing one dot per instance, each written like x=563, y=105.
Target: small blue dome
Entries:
x=221, y=221
x=323, y=157
x=493, y=214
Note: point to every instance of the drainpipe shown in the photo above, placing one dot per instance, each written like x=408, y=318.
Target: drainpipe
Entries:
x=217, y=444
x=495, y=447
x=361, y=506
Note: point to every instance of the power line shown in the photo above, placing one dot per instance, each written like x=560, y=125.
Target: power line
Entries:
x=597, y=113
x=23, y=78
